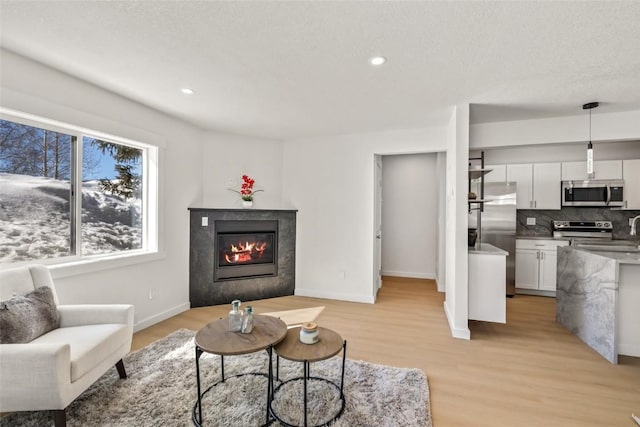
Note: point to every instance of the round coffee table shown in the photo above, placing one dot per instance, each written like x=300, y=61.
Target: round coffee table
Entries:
x=329, y=344
x=215, y=338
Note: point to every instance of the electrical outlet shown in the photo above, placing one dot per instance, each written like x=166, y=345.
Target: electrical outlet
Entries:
x=205, y=221
x=531, y=221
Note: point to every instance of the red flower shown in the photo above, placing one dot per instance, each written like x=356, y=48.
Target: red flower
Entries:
x=246, y=188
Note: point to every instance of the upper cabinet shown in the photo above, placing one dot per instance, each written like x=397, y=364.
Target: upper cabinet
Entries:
x=537, y=185
x=631, y=176
x=602, y=169
x=547, y=189
x=523, y=176
x=498, y=173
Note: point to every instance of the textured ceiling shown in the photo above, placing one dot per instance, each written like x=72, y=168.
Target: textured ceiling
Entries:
x=296, y=69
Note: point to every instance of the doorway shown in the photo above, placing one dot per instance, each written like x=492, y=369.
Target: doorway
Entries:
x=406, y=232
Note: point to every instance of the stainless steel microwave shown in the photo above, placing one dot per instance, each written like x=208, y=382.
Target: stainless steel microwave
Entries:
x=597, y=192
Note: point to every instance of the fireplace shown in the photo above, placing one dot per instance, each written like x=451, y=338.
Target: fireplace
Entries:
x=245, y=249
x=245, y=254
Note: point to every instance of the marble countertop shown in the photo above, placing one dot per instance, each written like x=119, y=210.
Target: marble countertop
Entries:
x=525, y=237
x=621, y=257
x=487, y=249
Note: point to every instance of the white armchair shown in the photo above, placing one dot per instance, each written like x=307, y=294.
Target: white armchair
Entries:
x=49, y=372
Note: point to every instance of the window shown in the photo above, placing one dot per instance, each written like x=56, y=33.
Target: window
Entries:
x=44, y=218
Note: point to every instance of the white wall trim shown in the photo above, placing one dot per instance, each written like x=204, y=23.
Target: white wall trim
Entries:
x=93, y=265
x=462, y=333
x=340, y=296
x=408, y=274
x=156, y=318
x=629, y=349
x=440, y=284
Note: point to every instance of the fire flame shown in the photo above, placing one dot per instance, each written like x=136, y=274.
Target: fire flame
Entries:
x=245, y=252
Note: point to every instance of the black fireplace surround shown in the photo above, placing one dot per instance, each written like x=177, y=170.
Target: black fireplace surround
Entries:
x=245, y=254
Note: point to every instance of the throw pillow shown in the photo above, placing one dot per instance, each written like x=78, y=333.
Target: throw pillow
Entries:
x=24, y=318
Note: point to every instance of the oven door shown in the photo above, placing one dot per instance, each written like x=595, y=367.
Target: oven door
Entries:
x=590, y=193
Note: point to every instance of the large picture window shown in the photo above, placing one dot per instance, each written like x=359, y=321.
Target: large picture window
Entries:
x=68, y=193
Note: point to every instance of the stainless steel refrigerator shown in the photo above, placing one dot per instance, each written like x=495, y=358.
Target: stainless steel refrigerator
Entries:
x=498, y=222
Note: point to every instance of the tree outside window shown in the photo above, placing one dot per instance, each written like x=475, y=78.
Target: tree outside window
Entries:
x=39, y=213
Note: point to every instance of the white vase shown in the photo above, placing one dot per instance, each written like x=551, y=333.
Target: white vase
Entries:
x=246, y=204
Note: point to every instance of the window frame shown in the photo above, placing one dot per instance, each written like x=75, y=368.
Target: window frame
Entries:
x=150, y=197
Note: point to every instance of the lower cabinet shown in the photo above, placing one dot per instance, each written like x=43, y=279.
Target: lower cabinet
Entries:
x=536, y=266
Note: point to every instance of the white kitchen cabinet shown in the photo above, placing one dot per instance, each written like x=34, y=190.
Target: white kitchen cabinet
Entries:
x=607, y=169
x=487, y=283
x=574, y=171
x=631, y=176
x=523, y=176
x=546, y=185
x=536, y=266
x=602, y=169
x=538, y=185
x=498, y=173
x=548, y=268
x=527, y=268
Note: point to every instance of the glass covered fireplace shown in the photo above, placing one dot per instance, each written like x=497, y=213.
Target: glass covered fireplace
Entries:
x=245, y=249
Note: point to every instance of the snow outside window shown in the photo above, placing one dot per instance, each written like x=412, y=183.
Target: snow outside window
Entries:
x=43, y=218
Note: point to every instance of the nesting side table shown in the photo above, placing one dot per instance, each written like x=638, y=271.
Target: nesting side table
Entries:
x=329, y=344
x=216, y=339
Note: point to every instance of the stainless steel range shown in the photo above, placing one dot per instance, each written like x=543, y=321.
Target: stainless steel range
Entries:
x=600, y=230
x=593, y=235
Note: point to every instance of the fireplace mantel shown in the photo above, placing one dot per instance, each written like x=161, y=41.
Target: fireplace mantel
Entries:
x=203, y=291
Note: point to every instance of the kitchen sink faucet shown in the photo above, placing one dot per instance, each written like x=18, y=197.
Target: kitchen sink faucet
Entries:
x=633, y=225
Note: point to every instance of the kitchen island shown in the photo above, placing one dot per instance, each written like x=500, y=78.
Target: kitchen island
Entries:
x=487, y=283
x=598, y=299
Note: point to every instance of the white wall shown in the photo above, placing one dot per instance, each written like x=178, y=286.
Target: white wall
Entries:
x=330, y=180
x=608, y=150
x=409, y=215
x=456, y=305
x=226, y=158
x=36, y=89
x=604, y=127
x=442, y=222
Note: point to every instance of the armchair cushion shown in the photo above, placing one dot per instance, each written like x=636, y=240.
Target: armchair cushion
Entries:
x=24, y=318
x=90, y=344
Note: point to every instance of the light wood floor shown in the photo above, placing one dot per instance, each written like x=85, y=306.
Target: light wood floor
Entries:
x=529, y=372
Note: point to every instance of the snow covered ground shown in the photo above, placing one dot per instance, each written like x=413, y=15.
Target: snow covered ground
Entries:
x=35, y=219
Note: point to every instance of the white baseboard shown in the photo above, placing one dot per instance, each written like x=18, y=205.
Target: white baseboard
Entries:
x=462, y=333
x=629, y=350
x=441, y=287
x=522, y=291
x=335, y=295
x=145, y=323
x=408, y=274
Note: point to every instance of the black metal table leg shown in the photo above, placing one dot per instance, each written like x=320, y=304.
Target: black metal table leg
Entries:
x=306, y=376
x=198, y=354
x=222, y=366
x=269, y=381
x=344, y=357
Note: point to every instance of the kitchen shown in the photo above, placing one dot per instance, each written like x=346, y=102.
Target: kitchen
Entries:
x=544, y=217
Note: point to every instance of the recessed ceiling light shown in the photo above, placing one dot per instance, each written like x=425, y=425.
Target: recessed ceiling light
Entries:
x=377, y=60
x=187, y=91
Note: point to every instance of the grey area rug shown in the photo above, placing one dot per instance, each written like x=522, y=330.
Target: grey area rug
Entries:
x=161, y=391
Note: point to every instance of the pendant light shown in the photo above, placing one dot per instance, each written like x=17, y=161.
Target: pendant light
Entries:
x=590, y=106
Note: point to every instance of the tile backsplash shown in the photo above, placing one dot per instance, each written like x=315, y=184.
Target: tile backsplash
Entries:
x=544, y=220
